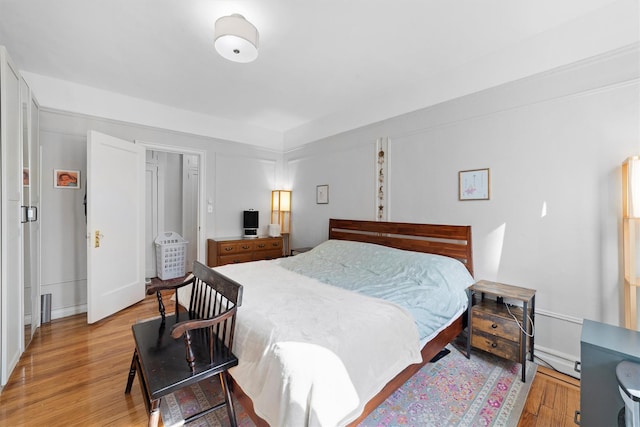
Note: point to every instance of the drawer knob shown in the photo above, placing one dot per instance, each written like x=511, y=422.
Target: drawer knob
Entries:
x=261, y=245
x=245, y=247
x=494, y=345
x=494, y=326
x=228, y=249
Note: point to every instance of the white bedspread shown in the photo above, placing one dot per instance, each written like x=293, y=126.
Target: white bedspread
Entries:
x=314, y=354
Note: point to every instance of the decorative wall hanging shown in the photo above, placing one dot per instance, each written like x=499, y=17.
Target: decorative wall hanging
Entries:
x=382, y=162
x=322, y=194
x=64, y=178
x=473, y=184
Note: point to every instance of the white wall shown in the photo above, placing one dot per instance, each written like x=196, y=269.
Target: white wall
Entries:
x=63, y=225
x=228, y=186
x=554, y=144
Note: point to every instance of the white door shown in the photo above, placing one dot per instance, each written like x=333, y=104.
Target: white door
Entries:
x=151, y=213
x=190, y=180
x=11, y=290
x=115, y=225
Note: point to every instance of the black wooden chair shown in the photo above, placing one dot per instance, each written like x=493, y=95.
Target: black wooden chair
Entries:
x=166, y=364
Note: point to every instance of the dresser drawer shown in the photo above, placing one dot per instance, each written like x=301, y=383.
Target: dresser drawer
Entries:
x=496, y=345
x=227, y=248
x=247, y=246
x=492, y=324
x=235, y=258
x=235, y=247
x=266, y=245
x=271, y=254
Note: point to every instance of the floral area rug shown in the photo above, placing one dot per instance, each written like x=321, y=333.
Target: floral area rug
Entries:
x=454, y=391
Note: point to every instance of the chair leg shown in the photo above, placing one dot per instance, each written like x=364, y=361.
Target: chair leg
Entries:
x=160, y=305
x=227, y=398
x=154, y=413
x=132, y=372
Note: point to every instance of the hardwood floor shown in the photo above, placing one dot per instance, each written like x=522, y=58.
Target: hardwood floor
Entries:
x=74, y=374
x=552, y=400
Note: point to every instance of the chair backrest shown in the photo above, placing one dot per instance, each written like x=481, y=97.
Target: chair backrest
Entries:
x=212, y=312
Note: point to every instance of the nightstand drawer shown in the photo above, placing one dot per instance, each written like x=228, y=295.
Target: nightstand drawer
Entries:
x=496, y=345
x=491, y=324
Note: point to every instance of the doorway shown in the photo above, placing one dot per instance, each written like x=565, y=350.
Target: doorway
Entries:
x=174, y=186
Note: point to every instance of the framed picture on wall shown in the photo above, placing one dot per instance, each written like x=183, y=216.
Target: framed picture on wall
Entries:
x=65, y=178
x=322, y=194
x=25, y=177
x=473, y=184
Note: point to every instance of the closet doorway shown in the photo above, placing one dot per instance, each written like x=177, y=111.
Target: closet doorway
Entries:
x=174, y=183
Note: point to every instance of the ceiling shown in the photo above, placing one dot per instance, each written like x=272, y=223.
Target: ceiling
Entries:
x=323, y=66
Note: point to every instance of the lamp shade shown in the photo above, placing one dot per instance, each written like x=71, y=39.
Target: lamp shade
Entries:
x=281, y=209
x=631, y=187
x=236, y=39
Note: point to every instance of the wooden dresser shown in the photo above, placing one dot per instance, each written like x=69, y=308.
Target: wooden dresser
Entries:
x=223, y=251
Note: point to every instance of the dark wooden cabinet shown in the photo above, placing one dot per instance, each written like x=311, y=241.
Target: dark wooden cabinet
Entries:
x=500, y=326
x=235, y=250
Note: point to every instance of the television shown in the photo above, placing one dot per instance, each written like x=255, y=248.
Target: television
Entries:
x=250, y=223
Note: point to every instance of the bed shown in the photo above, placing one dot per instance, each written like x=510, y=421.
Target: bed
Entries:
x=322, y=339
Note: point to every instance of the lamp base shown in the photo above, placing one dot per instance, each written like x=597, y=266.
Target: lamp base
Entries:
x=274, y=230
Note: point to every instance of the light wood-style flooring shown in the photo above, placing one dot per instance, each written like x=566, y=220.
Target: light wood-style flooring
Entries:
x=552, y=401
x=74, y=374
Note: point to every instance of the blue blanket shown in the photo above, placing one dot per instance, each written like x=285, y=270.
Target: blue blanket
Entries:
x=430, y=287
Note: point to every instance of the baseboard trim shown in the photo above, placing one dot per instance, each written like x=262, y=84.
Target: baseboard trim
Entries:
x=68, y=311
x=559, y=316
x=559, y=361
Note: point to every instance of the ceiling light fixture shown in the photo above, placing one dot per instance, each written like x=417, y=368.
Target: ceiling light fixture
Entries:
x=236, y=39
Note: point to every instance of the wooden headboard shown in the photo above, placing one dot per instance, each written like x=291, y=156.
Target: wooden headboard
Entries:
x=449, y=240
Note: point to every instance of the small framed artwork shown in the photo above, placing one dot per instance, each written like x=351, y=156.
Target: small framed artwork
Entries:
x=473, y=184
x=25, y=177
x=64, y=178
x=322, y=194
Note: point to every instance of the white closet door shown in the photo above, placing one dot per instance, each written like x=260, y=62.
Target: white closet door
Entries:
x=11, y=291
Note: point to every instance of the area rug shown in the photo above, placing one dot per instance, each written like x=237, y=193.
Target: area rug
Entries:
x=454, y=391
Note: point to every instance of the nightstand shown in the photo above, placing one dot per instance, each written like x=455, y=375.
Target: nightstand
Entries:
x=297, y=251
x=501, y=326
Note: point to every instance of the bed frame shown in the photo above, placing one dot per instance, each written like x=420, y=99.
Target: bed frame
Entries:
x=450, y=240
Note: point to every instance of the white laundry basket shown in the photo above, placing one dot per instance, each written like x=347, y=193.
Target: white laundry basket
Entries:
x=171, y=255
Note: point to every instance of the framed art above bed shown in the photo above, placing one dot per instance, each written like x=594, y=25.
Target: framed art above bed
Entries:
x=324, y=337
x=473, y=184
